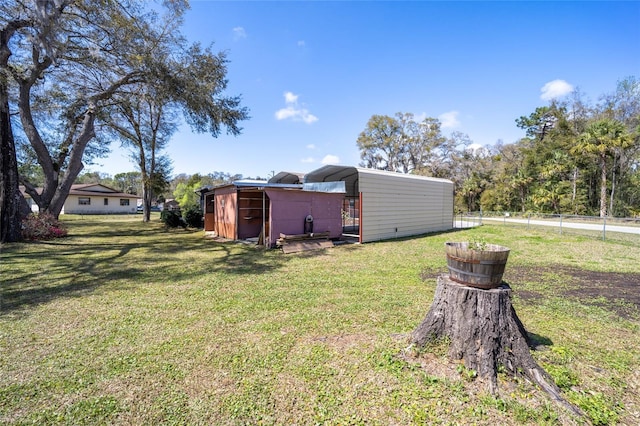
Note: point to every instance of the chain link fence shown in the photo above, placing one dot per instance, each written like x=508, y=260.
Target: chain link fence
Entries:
x=608, y=228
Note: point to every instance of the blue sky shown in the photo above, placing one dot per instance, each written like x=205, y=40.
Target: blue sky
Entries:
x=313, y=73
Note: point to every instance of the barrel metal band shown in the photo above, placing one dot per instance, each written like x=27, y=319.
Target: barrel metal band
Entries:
x=476, y=261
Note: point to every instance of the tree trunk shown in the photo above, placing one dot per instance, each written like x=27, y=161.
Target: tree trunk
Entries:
x=10, y=197
x=485, y=332
x=574, y=187
x=613, y=185
x=603, y=186
x=146, y=202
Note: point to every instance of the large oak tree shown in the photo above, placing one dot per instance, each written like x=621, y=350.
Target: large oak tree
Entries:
x=400, y=144
x=64, y=64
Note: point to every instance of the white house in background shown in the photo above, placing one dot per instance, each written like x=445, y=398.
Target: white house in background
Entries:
x=94, y=198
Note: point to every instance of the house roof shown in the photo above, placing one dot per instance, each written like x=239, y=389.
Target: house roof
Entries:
x=90, y=189
x=98, y=190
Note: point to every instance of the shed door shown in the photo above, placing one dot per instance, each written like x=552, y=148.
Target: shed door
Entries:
x=209, y=212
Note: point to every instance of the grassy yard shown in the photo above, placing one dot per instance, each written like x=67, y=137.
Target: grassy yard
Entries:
x=127, y=323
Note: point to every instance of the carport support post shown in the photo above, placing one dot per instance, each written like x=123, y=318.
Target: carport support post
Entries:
x=264, y=221
x=360, y=217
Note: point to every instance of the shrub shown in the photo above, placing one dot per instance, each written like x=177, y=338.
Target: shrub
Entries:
x=172, y=219
x=42, y=226
x=193, y=217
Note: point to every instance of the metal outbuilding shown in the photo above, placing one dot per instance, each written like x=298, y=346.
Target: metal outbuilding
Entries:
x=384, y=205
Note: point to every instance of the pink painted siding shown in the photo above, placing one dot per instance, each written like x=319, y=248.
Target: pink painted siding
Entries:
x=289, y=208
x=226, y=212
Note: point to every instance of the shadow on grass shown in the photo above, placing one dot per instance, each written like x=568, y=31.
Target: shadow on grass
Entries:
x=131, y=256
x=113, y=254
x=539, y=342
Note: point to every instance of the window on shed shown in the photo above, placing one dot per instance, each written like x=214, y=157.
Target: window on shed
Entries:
x=124, y=201
x=106, y=201
x=84, y=201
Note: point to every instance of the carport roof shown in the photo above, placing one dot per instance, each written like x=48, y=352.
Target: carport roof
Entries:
x=329, y=173
x=287, y=177
x=351, y=176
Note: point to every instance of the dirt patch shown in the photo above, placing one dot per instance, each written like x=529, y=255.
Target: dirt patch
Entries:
x=618, y=292
x=615, y=291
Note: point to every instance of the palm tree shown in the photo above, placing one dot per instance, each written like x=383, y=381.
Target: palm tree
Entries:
x=602, y=138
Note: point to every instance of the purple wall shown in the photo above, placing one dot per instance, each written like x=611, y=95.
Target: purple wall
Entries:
x=289, y=208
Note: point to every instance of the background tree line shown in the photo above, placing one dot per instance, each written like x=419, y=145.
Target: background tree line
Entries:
x=576, y=157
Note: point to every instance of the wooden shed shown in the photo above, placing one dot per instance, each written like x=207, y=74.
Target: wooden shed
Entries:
x=385, y=205
x=248, y=209
x=238, y=210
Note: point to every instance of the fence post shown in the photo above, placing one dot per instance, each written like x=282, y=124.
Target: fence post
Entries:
x=560, y=224
x=480, y=218
x=604, y=229
x=528, y=220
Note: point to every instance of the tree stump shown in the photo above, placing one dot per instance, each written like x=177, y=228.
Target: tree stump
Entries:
x=485, y=332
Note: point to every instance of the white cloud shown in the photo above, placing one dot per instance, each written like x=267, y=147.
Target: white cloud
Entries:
x=308, y=160
x=311, y=146
x=449, y=120
x=290, y=98
x=330, y=159
x=239, y=33
x=555, y=89
x=474, y=147
x=284, y=113
x=294, y=111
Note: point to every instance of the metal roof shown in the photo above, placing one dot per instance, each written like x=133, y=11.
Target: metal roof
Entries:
x=255, y=183
x=348, y=175
x=287, y=177
x=351, y=176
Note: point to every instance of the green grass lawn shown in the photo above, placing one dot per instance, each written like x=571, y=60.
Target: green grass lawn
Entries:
x=126, y=323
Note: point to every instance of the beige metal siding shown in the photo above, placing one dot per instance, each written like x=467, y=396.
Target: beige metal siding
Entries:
x=403, y=205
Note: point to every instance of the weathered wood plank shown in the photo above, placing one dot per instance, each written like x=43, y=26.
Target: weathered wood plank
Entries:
x=298, y=246
x=312, y=236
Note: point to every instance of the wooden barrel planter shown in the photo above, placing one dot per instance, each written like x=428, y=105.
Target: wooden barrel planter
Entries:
x=476, y=268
